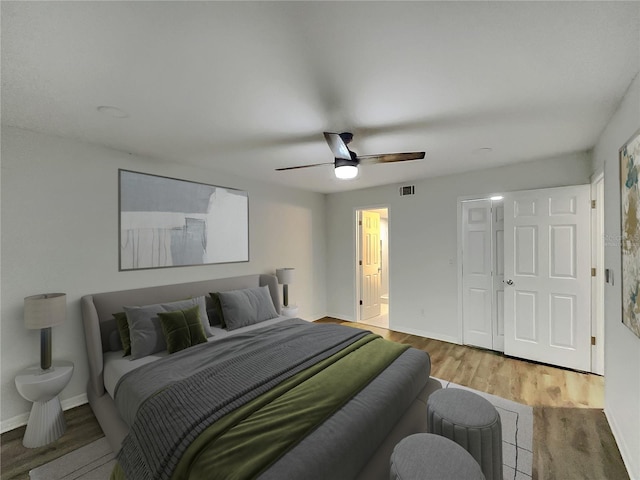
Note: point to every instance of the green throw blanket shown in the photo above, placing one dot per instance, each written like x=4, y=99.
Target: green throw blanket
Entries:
x=247, y=441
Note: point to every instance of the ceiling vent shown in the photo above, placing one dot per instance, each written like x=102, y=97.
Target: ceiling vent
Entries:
x=407, y=190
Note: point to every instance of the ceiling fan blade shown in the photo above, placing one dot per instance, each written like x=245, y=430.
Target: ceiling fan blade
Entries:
x=303, y=166
x=391, y=157
x=337, y=145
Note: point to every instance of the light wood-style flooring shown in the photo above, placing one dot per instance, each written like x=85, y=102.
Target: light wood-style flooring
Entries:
x=16, y=460
x=492, y=372
x=572, y=439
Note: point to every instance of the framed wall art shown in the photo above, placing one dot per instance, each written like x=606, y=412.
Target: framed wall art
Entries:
x=630, y=235
x=167, y=222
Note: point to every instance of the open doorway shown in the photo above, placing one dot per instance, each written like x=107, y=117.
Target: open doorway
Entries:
x=372, y=268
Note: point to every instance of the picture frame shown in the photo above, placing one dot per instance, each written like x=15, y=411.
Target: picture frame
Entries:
x=629, y=155
x=168, y=222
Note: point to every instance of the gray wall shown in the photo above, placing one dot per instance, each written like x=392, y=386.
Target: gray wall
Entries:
x=423, y=240
x=622, y=347
x=60, y=233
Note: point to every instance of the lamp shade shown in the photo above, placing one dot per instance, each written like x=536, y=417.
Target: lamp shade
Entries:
x=46, y=310
x=285, y=276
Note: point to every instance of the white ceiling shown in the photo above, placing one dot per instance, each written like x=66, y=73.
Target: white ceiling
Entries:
x=248, y=87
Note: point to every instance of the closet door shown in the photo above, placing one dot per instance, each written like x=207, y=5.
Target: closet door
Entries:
x=477, y=282
x=497, y=215
x=548, y=276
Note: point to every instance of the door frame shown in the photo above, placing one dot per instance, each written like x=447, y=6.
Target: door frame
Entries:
x=597, y=281
x=356, y=265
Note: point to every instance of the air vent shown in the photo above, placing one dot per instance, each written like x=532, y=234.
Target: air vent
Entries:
x=407, y=190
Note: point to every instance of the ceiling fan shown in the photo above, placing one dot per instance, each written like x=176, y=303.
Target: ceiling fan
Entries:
x=346, y=162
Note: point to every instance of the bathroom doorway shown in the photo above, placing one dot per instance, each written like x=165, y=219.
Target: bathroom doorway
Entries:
x=372, y=266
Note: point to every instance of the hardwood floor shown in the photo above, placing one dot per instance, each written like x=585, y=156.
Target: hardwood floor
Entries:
x=16, y=460
x=518, y=380
x=572, y=439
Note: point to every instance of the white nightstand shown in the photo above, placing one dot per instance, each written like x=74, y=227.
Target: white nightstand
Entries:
x=289, y=311
x=46, y=420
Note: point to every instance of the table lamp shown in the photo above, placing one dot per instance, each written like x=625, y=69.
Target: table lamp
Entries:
x=285, y=278
x=43, y=312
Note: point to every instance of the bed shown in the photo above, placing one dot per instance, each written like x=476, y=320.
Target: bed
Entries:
x=351, y=439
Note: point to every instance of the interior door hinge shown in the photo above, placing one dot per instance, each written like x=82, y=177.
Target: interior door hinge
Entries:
x=360, y=302
x=593, y=340
x=593, y=204
x=360, y=262
x=593, y=272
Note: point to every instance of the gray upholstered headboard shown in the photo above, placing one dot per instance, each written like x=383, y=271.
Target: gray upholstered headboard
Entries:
x=98, y=310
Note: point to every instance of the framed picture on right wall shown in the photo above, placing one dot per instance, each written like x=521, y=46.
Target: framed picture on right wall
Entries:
x=630, y=234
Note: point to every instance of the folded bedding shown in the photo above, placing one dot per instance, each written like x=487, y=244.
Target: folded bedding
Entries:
x=251, y=398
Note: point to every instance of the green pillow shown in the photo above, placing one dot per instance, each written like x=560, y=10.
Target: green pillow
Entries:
x=217, y=309
x=123, y=330
x=182, y=328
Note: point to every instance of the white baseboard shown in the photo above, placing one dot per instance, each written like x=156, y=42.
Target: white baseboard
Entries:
x=340, y=317
x=73, y=402
x=424, y=333
x=625, y=452
x=403, y=329
x=21, y=420
x=14, y=422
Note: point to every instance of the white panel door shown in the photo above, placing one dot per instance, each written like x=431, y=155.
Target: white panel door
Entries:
x=497, y=210
x=476, y=273
x=548, y=276
x=370, y=280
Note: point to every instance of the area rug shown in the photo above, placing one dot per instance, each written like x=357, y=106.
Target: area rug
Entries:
x=91, y=462
x=517, y=434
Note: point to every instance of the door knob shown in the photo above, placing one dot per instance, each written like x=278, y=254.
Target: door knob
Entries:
x=509, y=282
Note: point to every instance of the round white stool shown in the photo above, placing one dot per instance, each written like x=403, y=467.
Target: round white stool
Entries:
x=46, y=420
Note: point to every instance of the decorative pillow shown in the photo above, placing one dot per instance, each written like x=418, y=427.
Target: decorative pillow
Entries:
x=145, y=329
x=246, y=307
x=115, y=344
x=123, y=330
x=214, y=313
x=200, y=301
x=182, y=328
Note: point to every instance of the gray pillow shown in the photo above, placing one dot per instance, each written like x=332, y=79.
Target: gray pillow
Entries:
x=145, y=328
x=246, y=307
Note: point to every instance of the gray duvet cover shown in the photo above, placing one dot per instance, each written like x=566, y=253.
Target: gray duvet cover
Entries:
x=358, y=427
x=168, y=403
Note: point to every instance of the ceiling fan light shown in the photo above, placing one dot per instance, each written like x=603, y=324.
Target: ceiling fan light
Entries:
x=345, y=172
